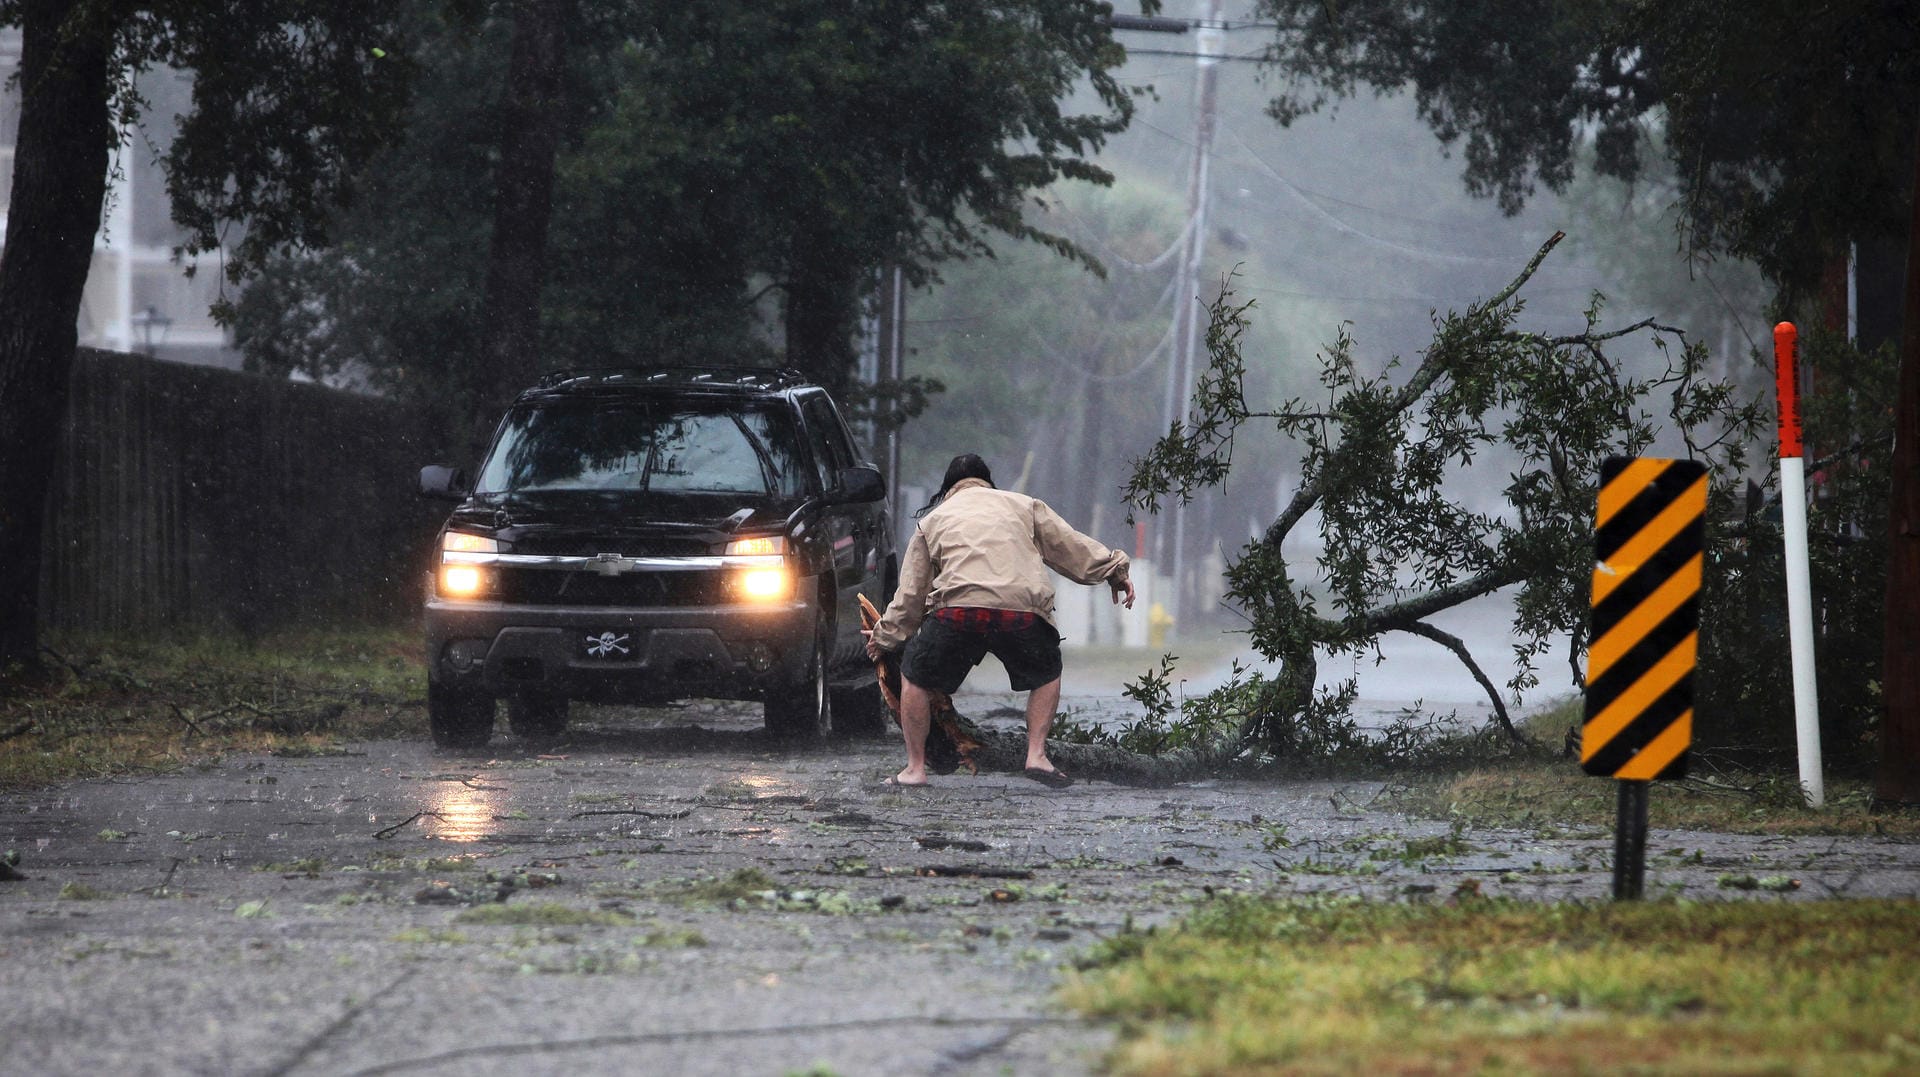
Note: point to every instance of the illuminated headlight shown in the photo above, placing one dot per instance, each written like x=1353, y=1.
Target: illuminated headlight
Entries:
x=764, y=584
x=757, y=547
x=758, y=568
x=461, y=542
x=462, y=557
x=462, y=581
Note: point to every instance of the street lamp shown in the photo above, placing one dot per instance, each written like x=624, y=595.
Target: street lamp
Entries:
x=147, y=321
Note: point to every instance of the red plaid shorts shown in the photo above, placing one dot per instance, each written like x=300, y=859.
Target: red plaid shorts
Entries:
x=955, y=639
x=981, y=619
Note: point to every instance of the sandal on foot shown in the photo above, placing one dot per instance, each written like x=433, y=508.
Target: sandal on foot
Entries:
x=1056, y=778
x=896, y=783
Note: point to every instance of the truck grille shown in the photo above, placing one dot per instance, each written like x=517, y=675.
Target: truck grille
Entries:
x=547, y=587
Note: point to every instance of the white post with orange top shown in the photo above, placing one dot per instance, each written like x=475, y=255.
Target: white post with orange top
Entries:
x=1793, y=526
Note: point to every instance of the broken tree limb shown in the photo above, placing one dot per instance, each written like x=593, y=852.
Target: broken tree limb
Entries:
x=1459, y=648
x=972, y=871
x=1005, y=752
x=1378, y=455
x=193, y=728
x=388, y=832
x=681, y=814
x=944, y=721
x=963, y=844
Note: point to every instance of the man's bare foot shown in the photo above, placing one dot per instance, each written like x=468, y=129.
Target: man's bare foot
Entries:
x=909, y=776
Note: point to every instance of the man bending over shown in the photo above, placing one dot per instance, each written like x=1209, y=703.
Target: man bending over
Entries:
x=975, y=582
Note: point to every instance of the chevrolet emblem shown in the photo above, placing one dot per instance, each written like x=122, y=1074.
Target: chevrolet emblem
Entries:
x=609, y=564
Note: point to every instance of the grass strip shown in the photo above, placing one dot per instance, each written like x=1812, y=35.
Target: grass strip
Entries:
x=1548, y=788
x=118, y=705
x=1339, y=986
x=1533, y=794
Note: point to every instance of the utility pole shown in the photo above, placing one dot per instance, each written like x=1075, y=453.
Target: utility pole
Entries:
x=883, y=362
x=892, y=367
x=1186, y=315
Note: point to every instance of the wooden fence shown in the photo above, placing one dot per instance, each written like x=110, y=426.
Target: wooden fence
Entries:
x=197, y=498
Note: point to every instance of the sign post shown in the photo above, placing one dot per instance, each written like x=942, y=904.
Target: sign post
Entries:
x=1793, y=529
x=1649, y=542
x=1630, y=840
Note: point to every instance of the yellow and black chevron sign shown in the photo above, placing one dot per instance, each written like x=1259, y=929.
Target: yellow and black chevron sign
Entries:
x=1649, y=534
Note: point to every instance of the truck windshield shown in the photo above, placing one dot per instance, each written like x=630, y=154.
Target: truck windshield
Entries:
x=596, y=446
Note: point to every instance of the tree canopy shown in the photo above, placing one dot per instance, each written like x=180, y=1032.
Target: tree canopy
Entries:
x=1791, y=126
x=719, y=158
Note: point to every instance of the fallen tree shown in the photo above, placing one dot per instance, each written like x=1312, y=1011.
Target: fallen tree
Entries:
x=1385, y=459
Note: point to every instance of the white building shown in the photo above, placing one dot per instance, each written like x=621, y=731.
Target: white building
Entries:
x=138, y=297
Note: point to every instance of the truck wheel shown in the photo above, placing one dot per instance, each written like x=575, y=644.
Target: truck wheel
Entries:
x=859, y=712
x=802, y=710
x=537, y=717
x=459, y=719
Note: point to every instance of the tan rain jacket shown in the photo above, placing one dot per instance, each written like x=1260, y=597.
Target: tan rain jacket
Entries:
x=986, y=547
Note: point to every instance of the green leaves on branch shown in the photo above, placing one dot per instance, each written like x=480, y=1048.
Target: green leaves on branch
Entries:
x=1198, y=452
x=1393, y=476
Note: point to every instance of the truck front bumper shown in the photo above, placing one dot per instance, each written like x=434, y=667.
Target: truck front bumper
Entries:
x=619, y=654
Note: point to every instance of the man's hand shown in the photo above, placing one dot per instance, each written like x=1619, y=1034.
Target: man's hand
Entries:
x=873, y=650
x=1120, y=585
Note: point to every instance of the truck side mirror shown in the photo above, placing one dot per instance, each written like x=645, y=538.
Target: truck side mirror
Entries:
x=443, y=482
x=861, y=484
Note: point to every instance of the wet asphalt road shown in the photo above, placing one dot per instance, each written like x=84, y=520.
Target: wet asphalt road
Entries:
x=272, y=915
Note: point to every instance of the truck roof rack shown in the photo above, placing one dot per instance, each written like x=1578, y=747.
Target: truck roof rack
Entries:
x=758, y=378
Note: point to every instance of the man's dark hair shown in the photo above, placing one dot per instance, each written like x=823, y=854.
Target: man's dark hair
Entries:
x=965, y=466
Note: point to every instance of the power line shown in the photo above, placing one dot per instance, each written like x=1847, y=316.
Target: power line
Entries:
x=1343, y=227
x=1123, y=261
x=1303, y=196
x=1170, y=25
x=1245, y=58
x=1152, y=359
x=1399, y=300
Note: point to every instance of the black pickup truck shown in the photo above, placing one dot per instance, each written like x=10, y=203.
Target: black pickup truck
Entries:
x=645, y=535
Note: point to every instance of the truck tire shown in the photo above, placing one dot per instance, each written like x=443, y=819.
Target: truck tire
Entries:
x=459, y=719
x=802, y=710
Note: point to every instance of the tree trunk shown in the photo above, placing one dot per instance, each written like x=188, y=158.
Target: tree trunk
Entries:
x=822, y=313
x=1898, y=779
x=1004, y=751
x=59, y=181
x=530, y=122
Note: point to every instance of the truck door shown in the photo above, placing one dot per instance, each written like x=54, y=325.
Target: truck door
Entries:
x=844, y=525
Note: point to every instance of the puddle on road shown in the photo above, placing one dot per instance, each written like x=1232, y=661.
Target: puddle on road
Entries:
x=463, y=813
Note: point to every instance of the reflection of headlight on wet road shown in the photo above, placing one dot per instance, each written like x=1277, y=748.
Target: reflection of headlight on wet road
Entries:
x=463, y=813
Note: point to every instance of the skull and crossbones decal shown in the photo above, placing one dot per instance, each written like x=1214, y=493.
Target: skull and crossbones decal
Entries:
x=605, y=644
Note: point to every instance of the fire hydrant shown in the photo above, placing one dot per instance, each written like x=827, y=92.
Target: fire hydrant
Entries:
x=1158, y=621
